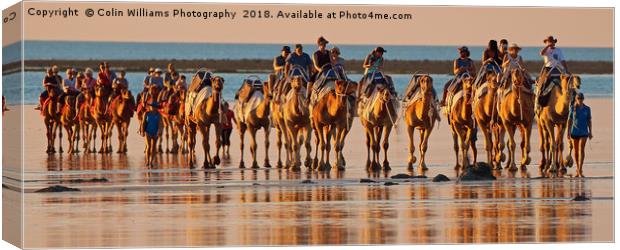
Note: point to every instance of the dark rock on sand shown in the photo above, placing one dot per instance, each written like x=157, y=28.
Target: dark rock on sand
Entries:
x=481, y=171
x=307, y=182
x=581, y=197
x=440, y=178
x=367, y=181
x=89, y=180
x=406, y=176
x=56, y=188
x=389, y=183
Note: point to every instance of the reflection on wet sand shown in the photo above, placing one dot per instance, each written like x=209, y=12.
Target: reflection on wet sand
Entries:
x=501, y=211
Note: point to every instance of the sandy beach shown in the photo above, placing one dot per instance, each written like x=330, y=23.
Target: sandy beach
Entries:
x=173, y=205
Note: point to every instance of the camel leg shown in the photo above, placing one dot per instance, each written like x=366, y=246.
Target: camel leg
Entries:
x=167, y=135
x=423, y=148
x=499, y=146
x=94, y=137
x=119, y=130
x=339, y=145
x=511, y=146
x=241, y=144
x=329, y=130
x=374, y=147
x=253, y=147
x=307, y=138
x=103, y=136
x=455, y=140
x=542, y=144
x=488, y=144
x=267, y=132
x=218, y=144
x=77, y=129
x=386, y=144
x=58, y=127
x=174, y=138
x=464, y=143
x=48, y=134
x=368, y=147
x=412, y=159
x=525, y=146
x=324, y=130
x=295, y=148
x=317, y=146
x=552, y=164
x=204, y=131
x=279, y=147
x=560, y=153
x=472, y=144
x=192, y=143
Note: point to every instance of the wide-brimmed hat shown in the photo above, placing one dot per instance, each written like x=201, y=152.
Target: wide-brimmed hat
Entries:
x=88, y=71
x=380, y=49
x=335, y=50
x=550, y=38
x=322, y=40
x=286, y=49
x=158, y=70
x=514, y=46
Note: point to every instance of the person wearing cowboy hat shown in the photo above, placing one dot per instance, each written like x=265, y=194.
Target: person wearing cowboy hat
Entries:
x=553, y=55
x=150, y=128
x=461, y=66
x=279, y=62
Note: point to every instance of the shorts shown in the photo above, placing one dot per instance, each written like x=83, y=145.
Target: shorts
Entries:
x=578, y=136
x=226, y=136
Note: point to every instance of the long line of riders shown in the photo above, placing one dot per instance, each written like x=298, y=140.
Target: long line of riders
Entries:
x=313, y=96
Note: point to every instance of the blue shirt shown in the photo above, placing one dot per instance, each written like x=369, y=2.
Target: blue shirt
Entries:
x=152, y=123
x=581, y=116
x=303, y=61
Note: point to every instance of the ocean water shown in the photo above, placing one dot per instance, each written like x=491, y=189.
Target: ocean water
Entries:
x=592, y=85
x=145, y=51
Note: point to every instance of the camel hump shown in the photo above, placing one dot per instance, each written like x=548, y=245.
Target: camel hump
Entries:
x=194, y=99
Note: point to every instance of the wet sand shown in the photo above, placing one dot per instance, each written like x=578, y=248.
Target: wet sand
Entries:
x=172, y=205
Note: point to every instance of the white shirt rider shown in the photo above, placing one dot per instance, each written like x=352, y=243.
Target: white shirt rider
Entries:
x=553, y=57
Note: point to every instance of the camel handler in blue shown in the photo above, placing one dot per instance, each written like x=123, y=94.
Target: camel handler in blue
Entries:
x=150, y=128
x=579, y=130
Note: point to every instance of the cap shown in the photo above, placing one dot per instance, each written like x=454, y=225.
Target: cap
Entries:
x=286, y=49
x=380, y=49
x=158, y=70
x=580, y=96
x=550, y=38
x=322, y=40
x=299, y=46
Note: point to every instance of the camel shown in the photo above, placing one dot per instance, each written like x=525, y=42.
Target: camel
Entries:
x=168, y=107
x=206, y=112
x=297, y=122
x=178, y=122
x=68, y=119
x=122, y=110
x=87, y=121
x=277, y=119
x=51, y=119
x=253, y=118
x=421, y=114
x=102, y=118
x=517, y=111
x=462, y=123
x=332, y=114
x=487, y=117
x=552, y=123
x=378, y=118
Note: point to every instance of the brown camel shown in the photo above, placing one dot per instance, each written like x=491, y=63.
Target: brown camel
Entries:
x=87, y=121
x=517, y=111
x=378, y=118
x=332, y=114
x=297, y=120
x=207, y=112
x=421, y=114
x=462, y=123
x=552, y=124
x=102, y=117
x=178, y=122
x=254, y=117
x=122, y=109
x=169, y=106
x=68, y=119
x=487, y=117
x=51, y=119
x=277, y=119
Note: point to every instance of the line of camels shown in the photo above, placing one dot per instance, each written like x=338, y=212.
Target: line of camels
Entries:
x=327, y=111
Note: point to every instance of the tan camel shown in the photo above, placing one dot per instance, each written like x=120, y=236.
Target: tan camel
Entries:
x=102, y=118
x=68, y=119
x=517, y=111
x=421, y=114
x=253, y=118
x=332, y=114
x=462, y=124
x=487, y=117
x=552, y=123
x=87, y=121
x=51, y=119
x=378, y=118
x=122, y=110
x=168, y=107
x=178, y=122
x=277, y=119
x=297, y=123
x=207, y=112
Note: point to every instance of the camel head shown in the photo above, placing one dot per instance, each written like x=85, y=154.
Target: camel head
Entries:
x=267, y=90
x=70, y=101
x=297, y=83
x=492, y=79
x=217, y=83
x=518, y=77
x=468, y=83
x=100, y=91
x=570, y=82
x=426, y=84
x=153, y=90
x=344, y=87
x=125, y=93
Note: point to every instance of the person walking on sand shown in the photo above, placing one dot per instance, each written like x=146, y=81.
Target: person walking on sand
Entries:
x=580, y=130
x=150, y=128
x=227, y=126
x=279, y=62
